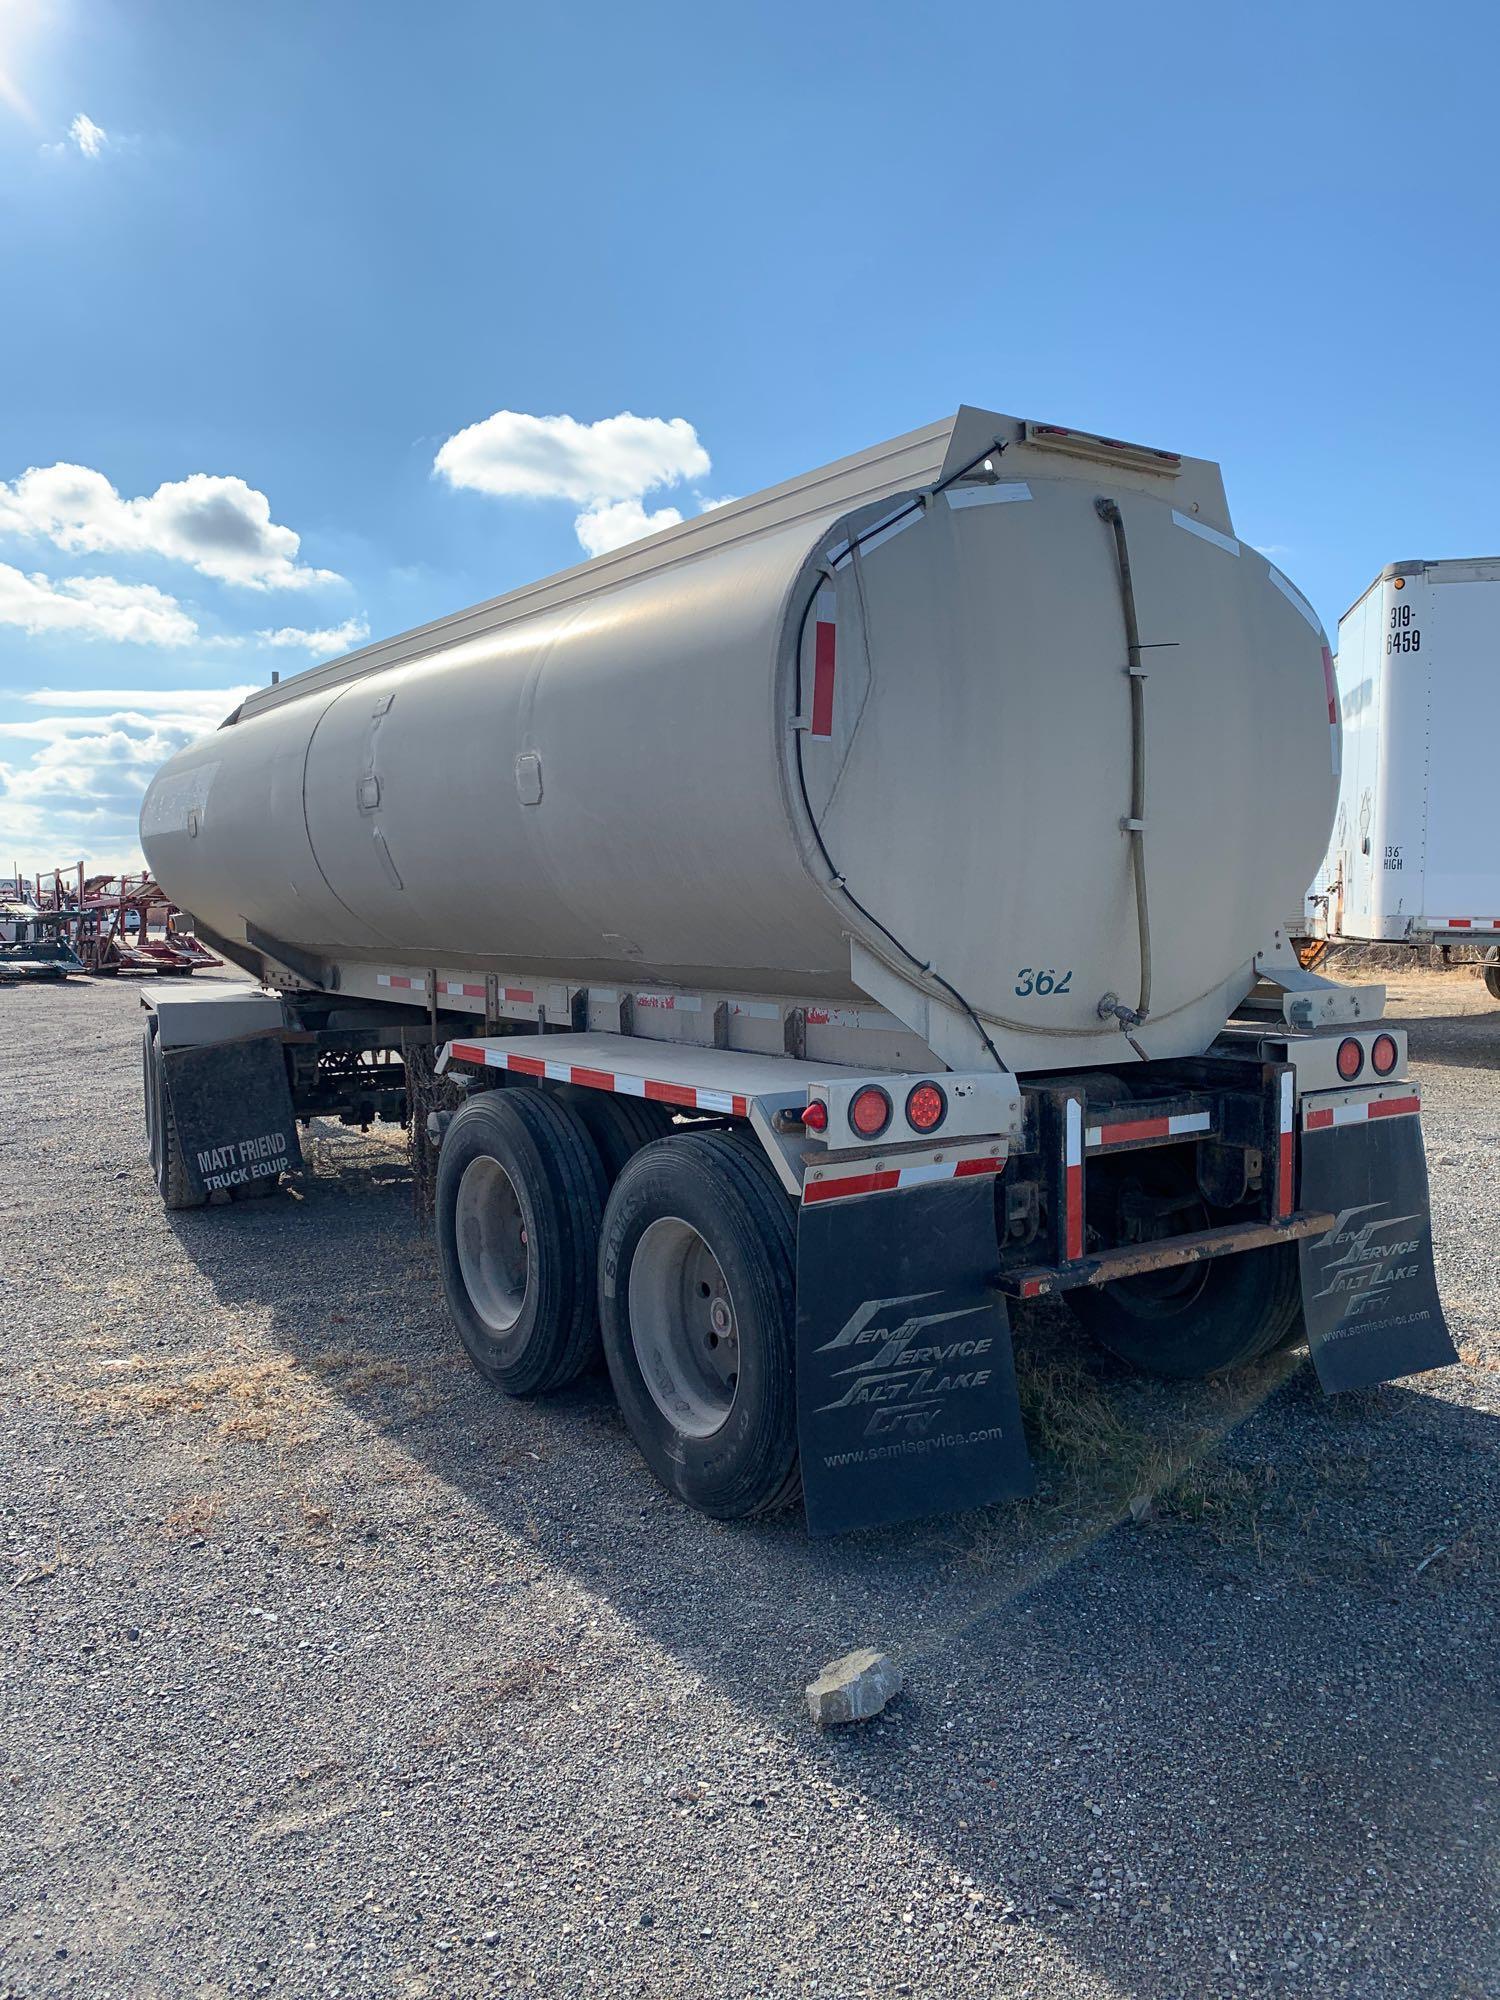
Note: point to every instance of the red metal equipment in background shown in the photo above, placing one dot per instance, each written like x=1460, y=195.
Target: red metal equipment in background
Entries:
x=121, y=923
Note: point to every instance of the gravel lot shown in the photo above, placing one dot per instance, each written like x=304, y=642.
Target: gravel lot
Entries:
x=328, y=1671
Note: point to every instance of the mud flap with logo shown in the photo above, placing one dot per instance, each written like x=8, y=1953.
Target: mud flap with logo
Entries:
x=1369, y=1292
x=906, y=1390
x=232, y=1106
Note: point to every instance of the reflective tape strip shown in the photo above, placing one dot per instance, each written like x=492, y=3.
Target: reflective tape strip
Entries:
x=402, y=981
x=1123, y=1130
x=1286, y=1149
x=657, y=1089
x=988, y=496
x=841, y=1186
x=1463, y=923
x=1207, y=534
x=1295, y=598
x=1073, y=1178
x=467, y=989
x=1318, y=1117
x=871, y=538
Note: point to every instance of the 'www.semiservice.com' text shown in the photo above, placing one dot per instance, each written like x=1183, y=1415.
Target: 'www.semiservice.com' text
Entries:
x=871, y=1454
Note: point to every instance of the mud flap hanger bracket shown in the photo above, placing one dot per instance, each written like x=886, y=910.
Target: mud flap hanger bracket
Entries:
x=1305, y=999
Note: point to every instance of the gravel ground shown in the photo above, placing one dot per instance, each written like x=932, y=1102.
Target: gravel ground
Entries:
x=328, y=1671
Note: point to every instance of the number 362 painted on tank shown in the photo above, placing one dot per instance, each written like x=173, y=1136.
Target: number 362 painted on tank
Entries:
x=1042, y=980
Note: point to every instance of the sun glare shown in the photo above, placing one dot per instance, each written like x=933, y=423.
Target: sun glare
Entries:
x=19, y=21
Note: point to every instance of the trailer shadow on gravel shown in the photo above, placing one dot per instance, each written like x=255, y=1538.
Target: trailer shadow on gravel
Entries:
x=1242, y=1633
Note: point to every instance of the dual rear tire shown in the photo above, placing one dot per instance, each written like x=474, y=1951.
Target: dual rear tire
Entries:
x=563, y=1227
x=1196, y=1320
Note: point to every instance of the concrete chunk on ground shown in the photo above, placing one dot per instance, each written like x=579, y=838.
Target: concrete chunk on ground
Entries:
x=853, y=1689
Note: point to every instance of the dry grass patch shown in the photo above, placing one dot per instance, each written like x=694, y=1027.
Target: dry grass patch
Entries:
x=355, y=1371
x=195, y=1515
x=250, y=1399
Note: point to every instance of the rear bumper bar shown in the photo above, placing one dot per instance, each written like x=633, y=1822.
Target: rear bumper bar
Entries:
x=1131, y=1262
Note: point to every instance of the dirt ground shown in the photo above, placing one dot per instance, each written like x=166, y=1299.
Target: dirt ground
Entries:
x=328, y=1671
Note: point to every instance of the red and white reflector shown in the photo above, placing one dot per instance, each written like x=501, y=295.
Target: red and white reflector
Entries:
x=1286, y=1144
x=1319, y=1117
x=657, y=1089
x=825, y=661
x=1073, y=1179
x=1331, y=689
x=838, y=1187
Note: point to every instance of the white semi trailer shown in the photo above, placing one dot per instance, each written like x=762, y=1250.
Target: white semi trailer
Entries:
x=844, y=913
x=1415, y=857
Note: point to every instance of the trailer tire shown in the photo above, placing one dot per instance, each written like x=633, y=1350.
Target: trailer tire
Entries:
x=520, y=1192
x=168, y=1168
x=698, y=1219
x=618, y=1126
x=1492, y=981
x=1221, y=1314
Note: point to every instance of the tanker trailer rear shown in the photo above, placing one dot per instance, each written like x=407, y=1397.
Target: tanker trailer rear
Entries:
x=844, y=913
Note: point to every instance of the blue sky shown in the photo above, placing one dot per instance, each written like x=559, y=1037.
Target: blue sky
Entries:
x=272, y=270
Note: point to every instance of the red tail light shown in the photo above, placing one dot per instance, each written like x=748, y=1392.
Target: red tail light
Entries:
x=870, y=1111
x=1384, y=1055
x=926, y=1107
x=1351, y=1059
x=815, y=1116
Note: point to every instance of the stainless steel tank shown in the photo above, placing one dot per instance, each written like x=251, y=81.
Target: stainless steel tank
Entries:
x=888, y=701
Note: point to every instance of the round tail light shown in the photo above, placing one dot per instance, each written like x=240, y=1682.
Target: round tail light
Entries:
x=815, y=1116
x=1351, y=1059
x=870, y=1111
x=1384, y=1055
x=926, y=1107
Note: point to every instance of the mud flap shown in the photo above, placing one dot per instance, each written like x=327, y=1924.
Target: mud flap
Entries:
x=232, y=1106
x=1369, y=1291
x=906, y=1388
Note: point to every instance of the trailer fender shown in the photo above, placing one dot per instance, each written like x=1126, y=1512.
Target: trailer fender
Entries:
x=1369, y=1290
x=906, y=1388
x=231, y=1103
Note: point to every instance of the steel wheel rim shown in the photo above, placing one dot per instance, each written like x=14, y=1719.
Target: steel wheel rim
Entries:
x=683, y=1327
x=494, y=1254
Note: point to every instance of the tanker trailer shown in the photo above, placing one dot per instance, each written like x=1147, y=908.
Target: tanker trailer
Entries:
x=842, y=915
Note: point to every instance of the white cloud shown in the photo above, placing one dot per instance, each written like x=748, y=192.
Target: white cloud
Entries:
x=89, y=138
x=603, y=528
x=93, y=607
x=618, y=458
x=217, y=523
x=328, y=641
x=205, y=708
x=83, y=135
x=608, y=466
x=707, y=506
x=78, y=795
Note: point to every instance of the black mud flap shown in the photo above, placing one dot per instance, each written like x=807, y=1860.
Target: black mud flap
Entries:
x=1369, y=1292
x=906, y=1389
x=232, y=1105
